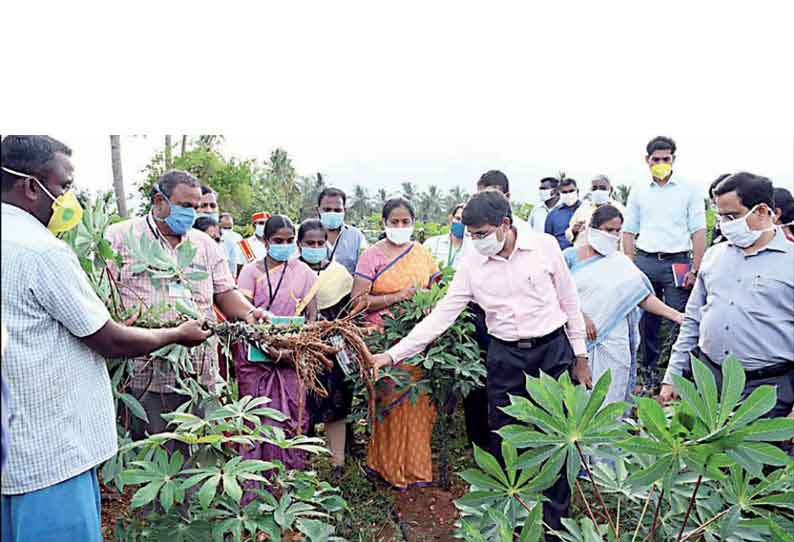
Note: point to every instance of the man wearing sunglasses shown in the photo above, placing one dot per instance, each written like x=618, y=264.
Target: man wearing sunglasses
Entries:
x=665, y=225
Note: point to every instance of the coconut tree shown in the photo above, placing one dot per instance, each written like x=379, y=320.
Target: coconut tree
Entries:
x=409, y=190
x=118, y=181
x=622, y=193
x=168, y=159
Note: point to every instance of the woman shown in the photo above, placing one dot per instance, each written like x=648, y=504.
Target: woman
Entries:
x=610, y=289
x=331, y=292
x=448, y=249
x=388, y=273
x=278, y=284
x=210, y=226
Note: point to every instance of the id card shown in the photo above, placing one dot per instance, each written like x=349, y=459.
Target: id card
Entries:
x=255, y=355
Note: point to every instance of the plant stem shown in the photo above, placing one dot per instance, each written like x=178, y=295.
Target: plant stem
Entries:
x=652, y=533
x=617, y=520
x=689, y=508
x=595, y=487
x=642, y=514
x=523, y=503
x=706, y=524
x=586, y=504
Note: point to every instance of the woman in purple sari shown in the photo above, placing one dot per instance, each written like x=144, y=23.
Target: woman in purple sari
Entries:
x=276, y=284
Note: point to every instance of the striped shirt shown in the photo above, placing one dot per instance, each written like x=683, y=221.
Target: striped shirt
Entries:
x=64, y=420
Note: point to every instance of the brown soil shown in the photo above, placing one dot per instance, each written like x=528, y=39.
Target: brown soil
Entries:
x=429, y=514
x=114, y=508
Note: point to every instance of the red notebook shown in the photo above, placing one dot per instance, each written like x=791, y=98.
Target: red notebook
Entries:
x=679, y=272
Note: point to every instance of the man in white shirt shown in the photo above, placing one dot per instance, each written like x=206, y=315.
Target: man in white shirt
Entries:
x=549, y=198
x=601, y=193
x=254, y=247
x=230, y=240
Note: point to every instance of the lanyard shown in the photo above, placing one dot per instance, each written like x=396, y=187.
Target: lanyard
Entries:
x=269, y=285
x=451, y=257
x=333, y=251
x=157, y=233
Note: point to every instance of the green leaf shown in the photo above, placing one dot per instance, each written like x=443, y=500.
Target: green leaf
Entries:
x=510, y=456
x=167, y=495
x=481, y=480
x=207, y=491
x=232, y=488
x=642, y=445
x=146, y=494
x=549, y=472
x=316, y=531
x=477, y=499
x=197, y=275
x=760, y=401
x=690, y=395
x=522, y=437
x=185, y=253
x=533, y=525
x=770, y=429
x=134, y=406
x=653, y=420
x=767, y=453
x=707, y=387
x=647, y=476
x=596, y=399
x=573, y=465
x=489, y=464
x=732, y=387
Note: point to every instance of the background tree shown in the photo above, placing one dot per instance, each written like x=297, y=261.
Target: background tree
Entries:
x=622, y=193
x=168, y=157
x=409, y=190
x=310, y=188
x=118, y=180
x=360, y=207
x=455, y=196
x=428, y=205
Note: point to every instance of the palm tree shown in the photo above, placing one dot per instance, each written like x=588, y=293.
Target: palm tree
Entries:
x=456, y=196
x=382, y=197
x=168, y=161
x=622, y=193
x=184, y=145
x=361, y=207
x=118, y=181
x=409, y=190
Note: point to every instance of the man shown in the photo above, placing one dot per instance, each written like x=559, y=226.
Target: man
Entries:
x=253, y=248
x=59, y=334
x=174, y=200
x=549, y=198
x=496, y=180
x=230, y=240
x=670, y=219
x=345, y=242
x=601, y=193
x=560, y=217
x=531, y=312
x=784, y=212
x=447, y=249
x=208, y=206
x=743, y=300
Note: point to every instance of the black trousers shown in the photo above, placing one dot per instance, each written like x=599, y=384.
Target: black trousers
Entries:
x=507, y=366
x=476, y=416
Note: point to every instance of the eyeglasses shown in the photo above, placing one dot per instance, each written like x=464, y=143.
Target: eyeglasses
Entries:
x=665, y=159
x=482, y=234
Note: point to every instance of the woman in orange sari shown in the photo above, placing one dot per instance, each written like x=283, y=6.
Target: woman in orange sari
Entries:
x=389, y=272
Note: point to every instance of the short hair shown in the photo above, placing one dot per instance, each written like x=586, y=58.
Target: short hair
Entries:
x=206, y=190
x=785, y=202
x=455, y=208
x=494, y=179
x=203, y=223
x=331, y=192
x=169, y=180
x=310, y=224
x=604, y=214
x=396, y=203
x=601, y=177
x=28, y=154
x=224, y=215
x=487, y=207
x=567, y=181
x=751, y=189
x=275, y=223
x=717, y=181
x=660, y=143
x=553, y=181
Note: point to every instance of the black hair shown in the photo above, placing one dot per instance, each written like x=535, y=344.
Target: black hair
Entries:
x=169, y=180
x=554, y=181
x=494, y=179
x=310, y=224
x=487, y=207
x=396, y=203
x=660, y=143
x=222, y=215
x=275, y=223
x=715, y=182
x=203, y=223
x=751, y=189
x=333, y=193
x=604, y=214
x=455, y=208
x=567, y=181
x=206, y=190
x=785, y=202
x=28, y=154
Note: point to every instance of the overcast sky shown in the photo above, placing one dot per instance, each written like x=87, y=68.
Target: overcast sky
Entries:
x=386, y=162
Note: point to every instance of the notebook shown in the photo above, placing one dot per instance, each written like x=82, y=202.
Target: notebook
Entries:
x=679, y=273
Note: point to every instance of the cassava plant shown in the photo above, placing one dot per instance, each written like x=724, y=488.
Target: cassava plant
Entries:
x=705, y=468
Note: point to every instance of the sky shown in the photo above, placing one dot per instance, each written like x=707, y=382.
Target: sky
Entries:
x=377, y=162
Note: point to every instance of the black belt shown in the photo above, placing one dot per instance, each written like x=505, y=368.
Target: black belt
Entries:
x=663, y=255
x=526, y=344
x=759, y=374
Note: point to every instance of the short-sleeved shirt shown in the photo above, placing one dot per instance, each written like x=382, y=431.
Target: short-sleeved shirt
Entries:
x=234, y=256
x=64, y=420
x=158, y=375
x=664, y=217
x=349, y=246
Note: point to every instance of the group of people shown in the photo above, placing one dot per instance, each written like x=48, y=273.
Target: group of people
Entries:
x=583, y=286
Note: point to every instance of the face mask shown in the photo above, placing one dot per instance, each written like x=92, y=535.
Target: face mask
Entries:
x=225, y=230
x=214, y=216
x=545, y=195
x=457, y=229
x=569, y=199
x=661, y=171
x=314, y=255
x=602, y=242
x=179, y=219
x=66, y=210
x=599, y=197
x=489, y=245
x=281, y=253
x=259, y=229
x=332, y=221
x=399, y=236
x=738, y=232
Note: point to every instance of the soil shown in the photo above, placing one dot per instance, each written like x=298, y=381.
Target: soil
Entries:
x=114, y=508
x=429, y=513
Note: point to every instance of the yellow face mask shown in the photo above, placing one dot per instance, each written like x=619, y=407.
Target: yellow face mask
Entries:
x=661, y=171
x=66, y=210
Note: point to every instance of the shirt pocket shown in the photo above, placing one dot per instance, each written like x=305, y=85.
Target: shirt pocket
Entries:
x=767, y=291
x=538, y=281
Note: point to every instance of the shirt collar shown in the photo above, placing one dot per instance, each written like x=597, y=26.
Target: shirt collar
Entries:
x=525, y=240
x=671, y=181
x=778, y=243
x=22, y=214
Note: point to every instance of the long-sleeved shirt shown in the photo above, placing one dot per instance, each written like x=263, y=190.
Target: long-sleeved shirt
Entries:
x=557, y=222
x=528, y=295
x=664, y=216
x=742, y=304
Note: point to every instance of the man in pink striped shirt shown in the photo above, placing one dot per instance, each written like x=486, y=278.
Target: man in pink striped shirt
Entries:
x=532, y=312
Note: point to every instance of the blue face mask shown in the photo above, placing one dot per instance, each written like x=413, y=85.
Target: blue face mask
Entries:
x=179, y=219
x=281, y=253
x=314, y=255
x=214, y=216
x=332, y=221
x=457, y=229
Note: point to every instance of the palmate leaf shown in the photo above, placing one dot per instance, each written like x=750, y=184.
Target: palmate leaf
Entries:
x=733, y=380
x=707, y=388
x=760, y=401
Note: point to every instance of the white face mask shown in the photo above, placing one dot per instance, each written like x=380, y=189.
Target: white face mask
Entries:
x=569, y=199
x=399, y=236
x=599, y=197
x=260, y=230
x=602, y=242
x=545, y=195
x=738, y=232
x=489, y=245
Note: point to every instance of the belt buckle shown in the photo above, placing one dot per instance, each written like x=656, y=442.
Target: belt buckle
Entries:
x=525, y=344
x=660, y=256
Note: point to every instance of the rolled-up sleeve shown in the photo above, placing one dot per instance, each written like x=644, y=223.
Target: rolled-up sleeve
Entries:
x=568, y=299
x=689, y=333
x=438, y=321
x=696, y=212
x=631, y=223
